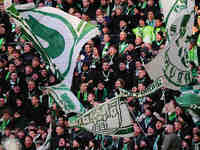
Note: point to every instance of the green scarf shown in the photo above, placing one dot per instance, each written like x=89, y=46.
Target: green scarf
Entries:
x=85, y=94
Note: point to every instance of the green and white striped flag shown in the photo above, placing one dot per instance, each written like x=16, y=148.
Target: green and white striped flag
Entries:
x=110, y=118
x=59, y=38
x=172, y=62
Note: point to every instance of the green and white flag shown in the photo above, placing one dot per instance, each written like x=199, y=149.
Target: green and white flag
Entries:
x=110, y=118
x=179, y=19
x=64, y=97
x=59, y=38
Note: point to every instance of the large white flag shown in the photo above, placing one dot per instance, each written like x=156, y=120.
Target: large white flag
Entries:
x=110, y=118
x=59, y=38
x=172, y=62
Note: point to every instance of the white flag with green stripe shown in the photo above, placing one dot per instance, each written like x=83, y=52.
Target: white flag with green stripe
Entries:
x=59, y=37
x=172, y=62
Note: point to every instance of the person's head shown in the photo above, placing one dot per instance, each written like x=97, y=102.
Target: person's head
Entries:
x=106, y=37
x=75, y=143
x=21, y=134
x=61, y=142
x=19, y=102
x=28, y=142
x=150, y=3
x=122, y=23
x=18, y=62
x=11, y=67
x=13, y=76
x=120, y=83
x=35, y=62
x=28, y=70
x=150, y=15
x=31, y=85
x=123, y=36
x=177, y=126
x=158, y=22
x=27, y=47
x=141, y=87
x=32, y=133
x=105, y=66
x=91, y=97
x=10, y=49
x=122, y=66
x=83, y=87
x=2, y=101
x=141, y=22
x=138, y=40
x=141, y=73
x=195, y=130
x=100, y=86
x=59, y=130
x=159, y=125
x=88, y=48
x=169, y=128
x=118, y=11
x=112, y=50
x=148, y=112
x=150, y=131
x=159, y=36
x=60, y=121
x=99, y=12
x=35, y=100
x=196, y=138
x=86, y=3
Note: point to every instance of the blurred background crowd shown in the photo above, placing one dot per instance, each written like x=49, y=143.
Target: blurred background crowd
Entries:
x=131, y=34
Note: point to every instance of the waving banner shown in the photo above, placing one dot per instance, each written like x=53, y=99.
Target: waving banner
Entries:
x=59, y=38
x=179, y=19
x=110, y=118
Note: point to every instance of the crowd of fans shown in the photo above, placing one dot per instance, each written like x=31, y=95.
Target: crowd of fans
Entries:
x=132, y=33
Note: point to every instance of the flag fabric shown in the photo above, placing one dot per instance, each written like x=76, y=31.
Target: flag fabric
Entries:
x=65, y=98
x=59, y=37
x=179, y=19
x=157, y=84
x=110, y=118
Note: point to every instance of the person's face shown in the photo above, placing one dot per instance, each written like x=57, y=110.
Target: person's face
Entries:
x=32, y=134
x=75, y=143
x=35, y=63
x=61, y=142
x=87, y=48
x=59, y=130
x=195, y=130
x=122, y=66
x=141, y=87
x=98, y=12
x=11, y=68
x=13, y=76
x=117, y=84
x=123, y=36
x=19, y=102
x=105, y=66
x=86, y=3
x=158, y=125
x=147, y=112
x=141, y=23
x=83, y=87
x=27, y=48
x=158, y=23
x=196, y=138
x=138, y=40
x=118, y=11
x=100, y=86
x=35, y=100
x=106, y=38
x=31, y=85
x=91, y=98
x=177, y=126
x=60, y=121
x=150, y=131
x=20, y=134
x=150, y=15
x=28, y=70
x=158, y=37
x=28, y=142
x=16, y=89
x=2, y=101
x=141, y=73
